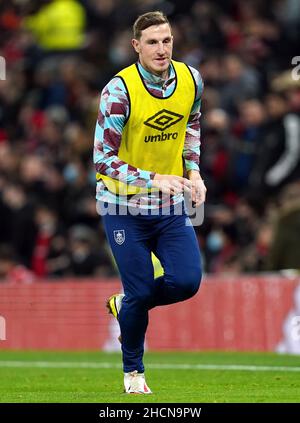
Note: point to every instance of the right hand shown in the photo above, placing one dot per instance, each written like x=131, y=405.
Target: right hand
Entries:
x=171, y=184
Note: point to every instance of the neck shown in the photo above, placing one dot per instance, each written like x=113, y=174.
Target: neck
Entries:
x=163, y=75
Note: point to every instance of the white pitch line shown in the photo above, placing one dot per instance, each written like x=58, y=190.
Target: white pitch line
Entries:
x=162, y=366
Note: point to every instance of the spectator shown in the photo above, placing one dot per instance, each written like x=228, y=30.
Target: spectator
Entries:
x=248, y=133
x=278, y=158
x=88, y=258
x=284, y=250
x=58, y=25
x=11, y=270
x=19, y=221
x=240, y=83
x=49, y=256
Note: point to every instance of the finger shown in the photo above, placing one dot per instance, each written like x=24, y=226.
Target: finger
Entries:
x=201, y=192
x=176, y=187
x=168, y=191
x=165, y=187
x=194, y=195
x=200, y=198
x=187, y=183
x=203, y=197
x=198, y=201
x=187, y=187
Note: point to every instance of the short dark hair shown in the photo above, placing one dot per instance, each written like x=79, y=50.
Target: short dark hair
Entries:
x=148, y=19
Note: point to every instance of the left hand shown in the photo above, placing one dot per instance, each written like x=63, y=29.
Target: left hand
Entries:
x=198, y=187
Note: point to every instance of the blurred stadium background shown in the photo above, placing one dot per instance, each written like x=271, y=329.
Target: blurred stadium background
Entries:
x=55, y=268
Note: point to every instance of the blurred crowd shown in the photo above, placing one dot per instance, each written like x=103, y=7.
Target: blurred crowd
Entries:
x=59, y=55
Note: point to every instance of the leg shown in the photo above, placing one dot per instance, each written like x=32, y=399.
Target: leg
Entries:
x=178, y=251
x=133, y=258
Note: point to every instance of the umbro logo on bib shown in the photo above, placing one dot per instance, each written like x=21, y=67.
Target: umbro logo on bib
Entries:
x=163, y=120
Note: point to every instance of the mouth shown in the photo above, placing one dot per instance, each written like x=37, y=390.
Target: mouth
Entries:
x=161, y=60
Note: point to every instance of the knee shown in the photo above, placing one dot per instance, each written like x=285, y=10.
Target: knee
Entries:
x=193, y=281
x=190, y=283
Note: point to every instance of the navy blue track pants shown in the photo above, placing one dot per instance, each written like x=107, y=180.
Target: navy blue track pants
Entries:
x=132, y=239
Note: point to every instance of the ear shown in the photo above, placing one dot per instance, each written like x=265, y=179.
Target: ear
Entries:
x=136, y=45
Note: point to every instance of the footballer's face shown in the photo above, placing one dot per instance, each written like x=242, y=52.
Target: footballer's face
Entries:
x=154, y=48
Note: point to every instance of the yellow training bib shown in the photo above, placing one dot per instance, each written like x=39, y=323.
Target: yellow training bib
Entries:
x=153, y=137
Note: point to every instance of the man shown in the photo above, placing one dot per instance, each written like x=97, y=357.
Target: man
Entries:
x=148, y=125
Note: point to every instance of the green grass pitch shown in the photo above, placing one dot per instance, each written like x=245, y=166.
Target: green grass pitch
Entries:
x=176, y=377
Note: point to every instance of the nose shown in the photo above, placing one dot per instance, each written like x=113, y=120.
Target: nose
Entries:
x=160, y=48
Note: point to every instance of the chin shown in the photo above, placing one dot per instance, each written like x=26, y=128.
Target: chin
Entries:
x=160, y=69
